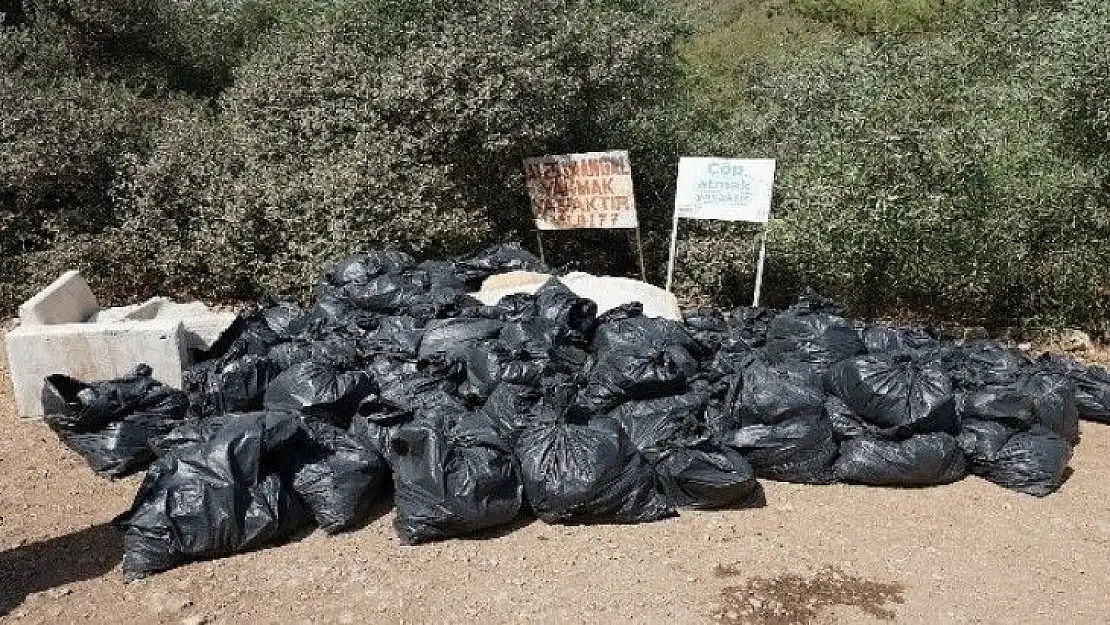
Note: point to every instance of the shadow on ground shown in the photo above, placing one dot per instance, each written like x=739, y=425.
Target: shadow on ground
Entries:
x=54, y=562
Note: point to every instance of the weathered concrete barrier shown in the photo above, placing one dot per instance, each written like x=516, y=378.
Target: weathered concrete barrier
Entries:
x=62, y=329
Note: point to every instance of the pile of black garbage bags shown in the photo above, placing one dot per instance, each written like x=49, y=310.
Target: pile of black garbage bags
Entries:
x=396, y=382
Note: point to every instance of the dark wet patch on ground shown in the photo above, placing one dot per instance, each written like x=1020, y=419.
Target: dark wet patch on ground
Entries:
x=789, y=599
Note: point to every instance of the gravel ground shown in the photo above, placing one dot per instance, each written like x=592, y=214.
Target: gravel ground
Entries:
x=968, y=552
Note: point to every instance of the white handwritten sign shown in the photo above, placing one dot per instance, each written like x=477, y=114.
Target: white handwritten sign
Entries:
x=729, y=189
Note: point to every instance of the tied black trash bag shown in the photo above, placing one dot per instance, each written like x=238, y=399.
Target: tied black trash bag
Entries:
x=490, y=363
x=510, y=407
x=216, y=498
x=654, y=424
x=321, y=391
x=796, y=450
x=338, y=474
x=498, y=259
x=623, y=374
x=577, y=316
x=218, y=387
x=1035, y=398
x=452, y=476
x=921, y=460
x=810, y=332
x=448, y=339
x=708, y=327
x=895, y=393
x=693, y=470
x=771, y=394
x=625, y=328
x=700, y=473
x=362, y=268
x=1032, y=462
x=1092, y=385
x=582, y=470
x=879, y=339
x=111, y=423
x=980, y=363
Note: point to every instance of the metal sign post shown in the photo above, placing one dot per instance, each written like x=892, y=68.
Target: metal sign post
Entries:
x=575, y=191
x=726, y=189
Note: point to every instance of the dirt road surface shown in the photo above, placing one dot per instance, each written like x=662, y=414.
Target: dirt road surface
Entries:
x=968, y=552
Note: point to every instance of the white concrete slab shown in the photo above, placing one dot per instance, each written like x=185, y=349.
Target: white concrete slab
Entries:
x=91, y=352
x=66, y=300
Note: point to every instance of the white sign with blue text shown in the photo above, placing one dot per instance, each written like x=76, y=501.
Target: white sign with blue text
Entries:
x=729, y=189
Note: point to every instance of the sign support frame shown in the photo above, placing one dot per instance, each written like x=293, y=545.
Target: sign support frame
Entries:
x=757, y=291
x=635, y=235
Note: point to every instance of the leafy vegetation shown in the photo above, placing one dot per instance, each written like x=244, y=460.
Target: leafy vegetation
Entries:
x=943, y=157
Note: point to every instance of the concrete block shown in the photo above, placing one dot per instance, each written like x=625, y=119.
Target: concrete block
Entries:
x=202, y=331
x=607, y=292
x=67, y=300
x=91, y=352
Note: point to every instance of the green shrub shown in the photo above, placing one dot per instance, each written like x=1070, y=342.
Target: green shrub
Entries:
x=935, y=176
x=392, y=123
x=886, y=16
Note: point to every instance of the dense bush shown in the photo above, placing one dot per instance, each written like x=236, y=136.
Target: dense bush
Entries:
x=390, y=124
x=84, y=87
x=222, y=149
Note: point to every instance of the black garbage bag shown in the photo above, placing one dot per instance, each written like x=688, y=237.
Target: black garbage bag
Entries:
x=897, y=393
x=749, y=325
x=362, y=268
x=510, y=407
x=256, y=329
x=845, y=423
x=708, y=326
x=981, y=439
x=401, y=380
x=1035, y=397
x=217, y=386
x=978, y=363
x=1032, y=462
x=627, y=330
x=797, y=450
x=440, y=274
x=498, y=259
x=213, y=499
x=698, y=472
x=450, y=338
x=513, y=307
x=335, y=352
x=807, y=332
x=490, y=363
x=320, y=391
x=397, y=335
x=389, y=294
x=655, y=424
x=1008, y=403
x=771, y=394
x=111, y=423
x=879, y=339
x=337, y=474
x=1055, y=402
x=452, y=476
x=578, y=469
x=1092, y=385
x=920, y=460
x=623, y=374
x=561, y=306
x=188, y=433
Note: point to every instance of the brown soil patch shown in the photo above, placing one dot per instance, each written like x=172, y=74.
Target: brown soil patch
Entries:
x=793, y=599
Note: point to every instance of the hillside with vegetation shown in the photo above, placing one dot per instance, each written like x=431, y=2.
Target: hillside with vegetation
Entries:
x=943, y=158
